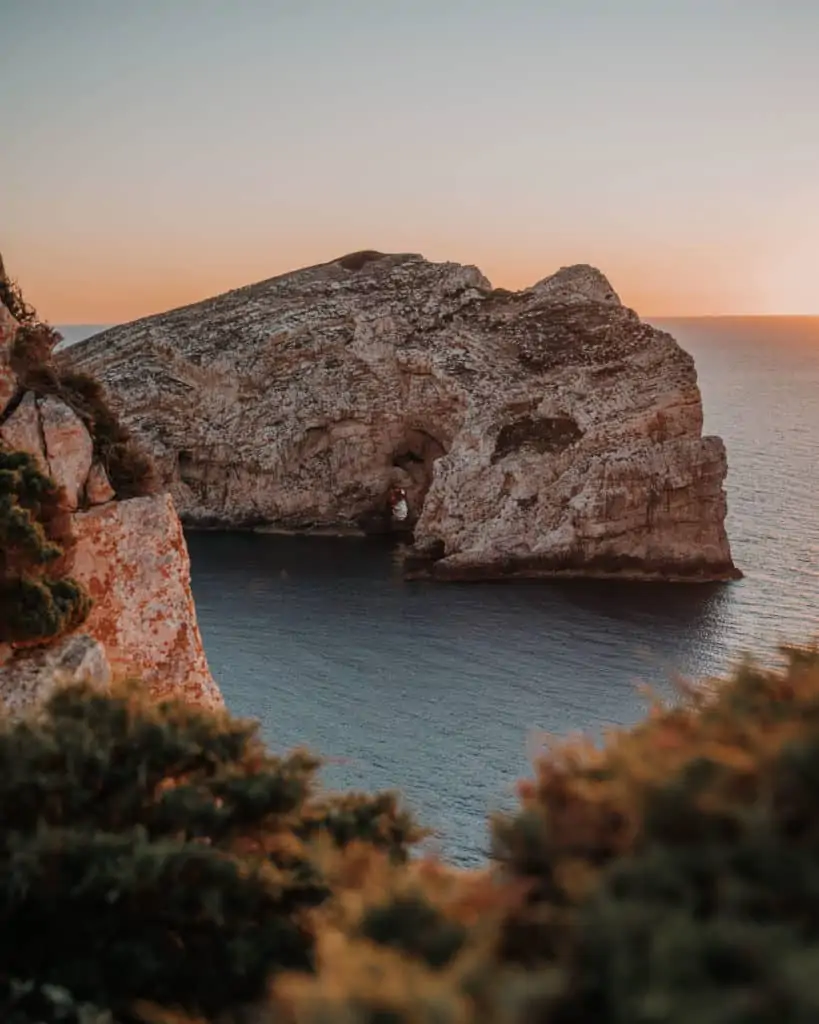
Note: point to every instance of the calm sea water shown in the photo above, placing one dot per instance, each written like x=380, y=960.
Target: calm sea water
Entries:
x=446, y=691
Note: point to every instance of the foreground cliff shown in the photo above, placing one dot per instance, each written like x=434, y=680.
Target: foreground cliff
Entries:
x=98, y=584
x=543, y=432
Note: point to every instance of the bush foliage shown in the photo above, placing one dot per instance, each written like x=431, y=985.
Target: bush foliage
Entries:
x=160, y=865
x=38, y=600
x=158, y=854
x=12, y=298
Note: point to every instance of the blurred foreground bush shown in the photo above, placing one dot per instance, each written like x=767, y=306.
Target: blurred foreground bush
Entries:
x=157, y=853
x=675, y=873
x=157, y=862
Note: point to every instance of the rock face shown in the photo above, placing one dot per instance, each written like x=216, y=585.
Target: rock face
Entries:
x=29, y=678
x=58, y=439
x=98, y=488
x=22, y=430
x=542, y=432
x=68, y=446
x=132, y=559
x=130, y=556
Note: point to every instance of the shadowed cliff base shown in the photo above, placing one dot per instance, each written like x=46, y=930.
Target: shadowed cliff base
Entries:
x=432, y=565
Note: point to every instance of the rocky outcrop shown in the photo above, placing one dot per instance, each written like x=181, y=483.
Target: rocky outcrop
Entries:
x=29, y=678
x=129, y=555
x=68, y=447
x=22, y=430
x=98, y=487
x=54, y=434
x=541, y=432
x=132, y=559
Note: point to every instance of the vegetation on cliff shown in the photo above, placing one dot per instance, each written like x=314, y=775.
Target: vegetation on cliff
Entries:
x=38, y=599
x=12, y=298
x=159, y=864
x=129, y=469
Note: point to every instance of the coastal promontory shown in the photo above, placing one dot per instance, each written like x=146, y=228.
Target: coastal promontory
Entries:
x=542, y=432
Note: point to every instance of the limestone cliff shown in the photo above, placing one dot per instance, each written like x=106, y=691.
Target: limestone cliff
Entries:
x=541, y=432
x=129, y=555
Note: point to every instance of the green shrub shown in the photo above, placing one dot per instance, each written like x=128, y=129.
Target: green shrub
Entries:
x=157, y=853
x=674, y=874
x=670, y=876
x=379, y=821
x=413, y=943
x=38, y=601
x=27, y=1003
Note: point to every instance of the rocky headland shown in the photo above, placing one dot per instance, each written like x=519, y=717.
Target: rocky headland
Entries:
x=127, y=549
x=537, y=433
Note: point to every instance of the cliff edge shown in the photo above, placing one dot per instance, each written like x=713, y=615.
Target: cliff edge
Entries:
x=127, y=551
x=536, y=433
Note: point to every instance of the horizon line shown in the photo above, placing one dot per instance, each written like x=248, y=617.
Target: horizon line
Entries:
x=643, y=316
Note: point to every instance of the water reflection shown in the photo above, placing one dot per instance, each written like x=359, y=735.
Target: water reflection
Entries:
x=433, y=688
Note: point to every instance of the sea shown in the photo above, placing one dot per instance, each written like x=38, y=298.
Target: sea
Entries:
x=447, y=692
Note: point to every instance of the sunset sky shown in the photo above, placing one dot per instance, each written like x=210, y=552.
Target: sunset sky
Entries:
x=154, y=152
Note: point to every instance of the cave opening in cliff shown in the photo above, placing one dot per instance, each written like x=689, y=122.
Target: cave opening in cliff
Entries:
x=410, y=467
x=412, y=462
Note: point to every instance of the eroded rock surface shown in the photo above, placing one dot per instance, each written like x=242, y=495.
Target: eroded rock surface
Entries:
x=68, y=447
x=22, y=430
x=132, y=559
x=59, y=441
x=28, y=678
x=98, y=489
x=130, y=555
x=539, y=432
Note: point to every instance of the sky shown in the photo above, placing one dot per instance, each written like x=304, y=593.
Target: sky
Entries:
x=155, y=152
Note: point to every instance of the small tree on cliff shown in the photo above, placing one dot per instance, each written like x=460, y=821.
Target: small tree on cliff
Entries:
x=38, y=600
x=12, y=298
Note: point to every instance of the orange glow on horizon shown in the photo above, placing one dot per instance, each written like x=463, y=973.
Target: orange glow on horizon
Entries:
x=91, y=293
x=519, y=139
